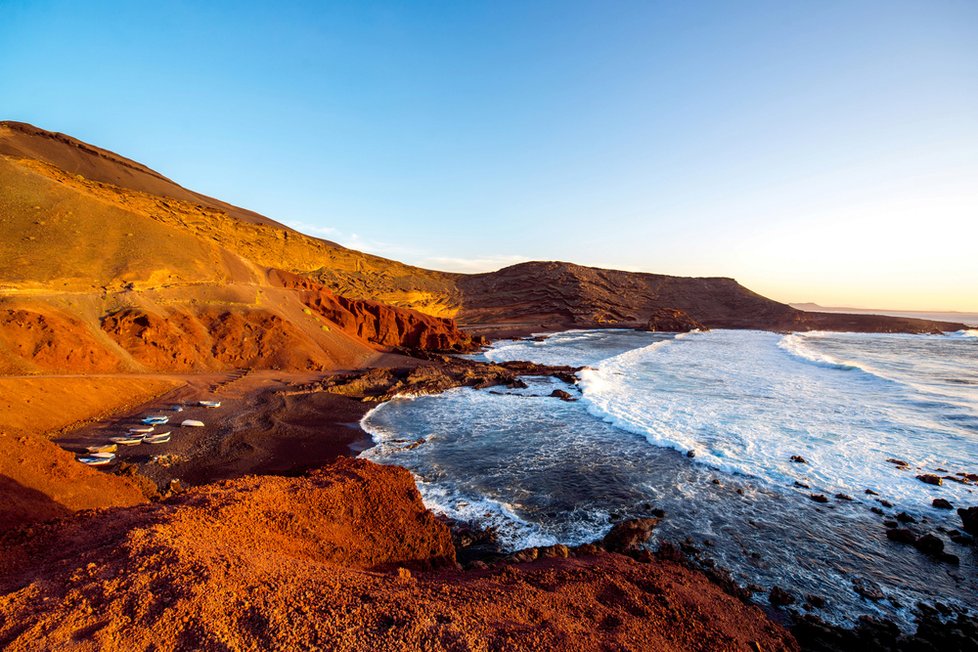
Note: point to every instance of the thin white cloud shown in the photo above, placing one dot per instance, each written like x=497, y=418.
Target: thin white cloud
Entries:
x=311, y=229
x=471, y=265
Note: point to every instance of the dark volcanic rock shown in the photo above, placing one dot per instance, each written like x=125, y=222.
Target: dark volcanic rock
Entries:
x=930, y=478
x=903, y=517
x=969, y=519
x=843, y=497
x=630, y=535
x=929, y=545
x=562, y=395
x=940, y=503
x=672, y=320
x=901, y=535
x=900, y=463
x=779, y=597
x=798, y=459
x=819, y=498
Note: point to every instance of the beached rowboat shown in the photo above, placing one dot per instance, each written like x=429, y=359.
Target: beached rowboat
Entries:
x=192, y=423
x=97, y=459
x=209, y=404
x=156, y=420
x=142, y=431
x=102, y=448
x=127, y=441
x=161, y=438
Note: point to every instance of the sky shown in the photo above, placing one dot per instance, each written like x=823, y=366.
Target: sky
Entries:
x=820, y=151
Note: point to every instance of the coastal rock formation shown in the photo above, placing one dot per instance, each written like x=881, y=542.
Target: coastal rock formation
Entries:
x=671, y=320
x=969, y=520
x=376, y=322
x=346, y=558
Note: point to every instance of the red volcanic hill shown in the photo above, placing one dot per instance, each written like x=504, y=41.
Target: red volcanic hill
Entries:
x=106, y=265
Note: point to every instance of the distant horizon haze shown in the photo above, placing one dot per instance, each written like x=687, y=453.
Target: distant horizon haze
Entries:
x=821, y=151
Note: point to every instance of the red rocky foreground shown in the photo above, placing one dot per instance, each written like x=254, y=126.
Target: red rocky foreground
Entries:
x=346, y=558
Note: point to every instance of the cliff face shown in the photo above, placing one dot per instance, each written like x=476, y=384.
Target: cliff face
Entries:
x=377, y=322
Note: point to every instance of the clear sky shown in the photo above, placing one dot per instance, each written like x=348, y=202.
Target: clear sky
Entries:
x=815, y=150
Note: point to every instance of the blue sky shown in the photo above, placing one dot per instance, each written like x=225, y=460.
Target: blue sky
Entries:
x=823, y=151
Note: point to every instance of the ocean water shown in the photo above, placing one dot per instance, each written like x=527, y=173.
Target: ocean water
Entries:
x=544, y=471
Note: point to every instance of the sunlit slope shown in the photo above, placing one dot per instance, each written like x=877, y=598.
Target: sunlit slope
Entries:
x=78, y=218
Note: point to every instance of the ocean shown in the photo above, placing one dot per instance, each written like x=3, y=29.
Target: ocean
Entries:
x=704, y=426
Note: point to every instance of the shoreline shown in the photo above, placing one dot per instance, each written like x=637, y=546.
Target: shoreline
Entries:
x=281, y=409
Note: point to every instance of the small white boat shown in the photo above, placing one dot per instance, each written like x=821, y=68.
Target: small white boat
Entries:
x=126, y=441
x=192, y=423
x=102, y=448
x=177, y=408
x=161, y=438
x=209, y=404
x=97, y=459
x=145, y=430
x=156, y=420
x=91, y=460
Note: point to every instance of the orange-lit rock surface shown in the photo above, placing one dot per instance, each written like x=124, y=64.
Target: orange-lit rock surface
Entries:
x=346, y=558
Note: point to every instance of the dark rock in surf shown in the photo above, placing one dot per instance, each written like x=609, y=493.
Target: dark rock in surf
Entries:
x=870, y=492
x=903, y=517
x=798, y=459
x=562, y=395
x=816, y=601
x=901, y=535
x=940, y=503
x=801, y=485
x=819, y=498
x=690, y=454
x=929, y=545
x=969, y=519
x=930, y=478
x=629, y=536
x=900, y=463
x=779, y=597
x=867, y=589
x=843, y=497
